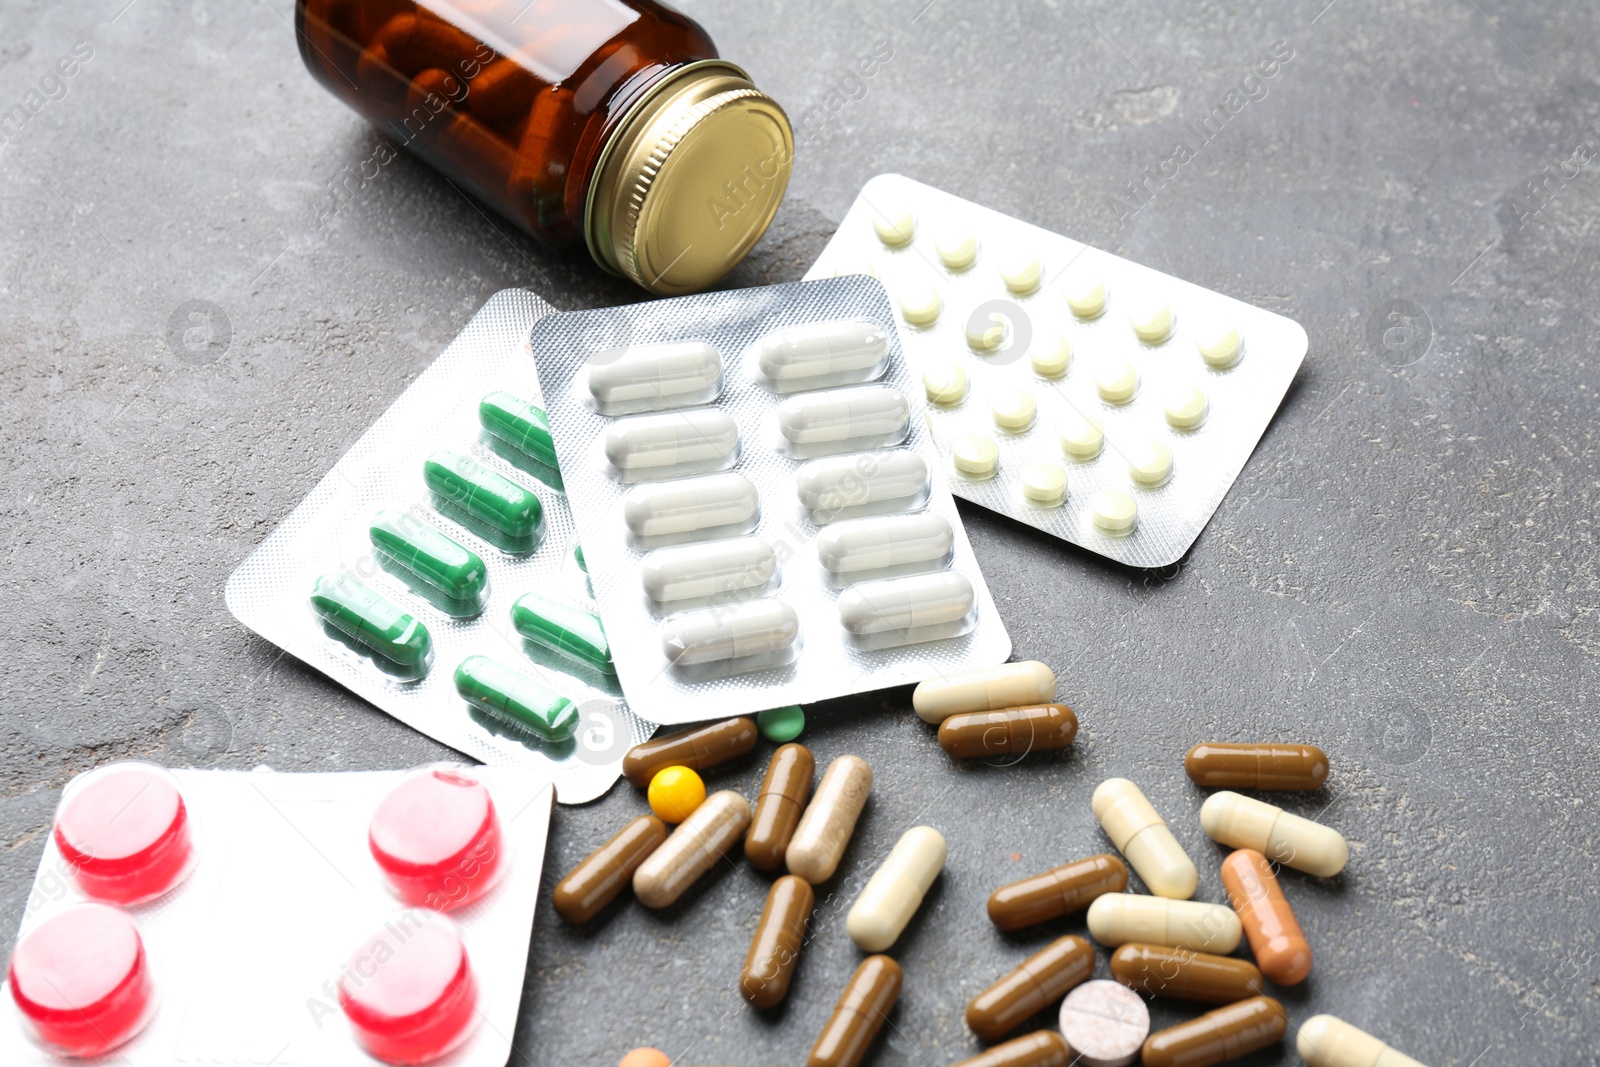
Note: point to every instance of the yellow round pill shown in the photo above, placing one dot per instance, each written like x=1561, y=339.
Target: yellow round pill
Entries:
x=1220, y=345
x=1086, y=296
x=896, y=228
x=920, y=303
x=957, y=248
x=975, y=455
x=674, y=793
x=1082, y=437
x=987, y=333
x=1113, y=511
x=1021, y=272
x=1186, y=406
x=1051, y=355
x=1150, y=464
x=945, y=382
x=1152, y=322
x=1116, y=380
x=1013, y=408
x=1044, y=484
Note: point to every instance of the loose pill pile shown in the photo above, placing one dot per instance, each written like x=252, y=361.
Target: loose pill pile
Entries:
x=763, y=513
x=400, y=906
x=436, y=571
x=1088, y=396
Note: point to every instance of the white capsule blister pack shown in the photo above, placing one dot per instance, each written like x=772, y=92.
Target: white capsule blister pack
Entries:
x=1088, y=396
x=277, y=912
x=759, y=499
x=327, y=544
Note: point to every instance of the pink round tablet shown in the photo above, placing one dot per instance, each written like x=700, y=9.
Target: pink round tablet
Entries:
x=408, y=991
x=1105, y=1023
x=82, y=982
x=437, y=839
x=124, y=832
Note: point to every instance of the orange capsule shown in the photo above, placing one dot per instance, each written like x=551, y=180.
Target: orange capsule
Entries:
x=1009, y=732
x=1280, y=948
x=1057, y=892
x=1234, y=766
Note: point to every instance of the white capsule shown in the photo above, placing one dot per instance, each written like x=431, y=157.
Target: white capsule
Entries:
x=904, y=604
x=708, y=569
x=828, y=486
x=712, y=635
x=1329, y=1041
x=876, y=414
x=822, y=350
x=1244, y=822
x=653, y=377
x=689, y=505
x=895, y=891
x=1139, y=833
x=1117, y=918
x=643, y=443
x=878, y=543
x=1010, y=685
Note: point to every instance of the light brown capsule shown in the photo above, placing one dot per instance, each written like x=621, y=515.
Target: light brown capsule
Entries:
x=775, y=948
x=1037, y=982
x=1277, y=767
x=596, y=881
x=699, y=843
x=416, y=42
x=859, y=1015
x=697, y=749
x=1012, y=732
x=1276, y=940
x=783, y=797
x=1057, y=892
x=1160, y=971
x=1042, y=1048
x=1218, y=1036
x=830, y=820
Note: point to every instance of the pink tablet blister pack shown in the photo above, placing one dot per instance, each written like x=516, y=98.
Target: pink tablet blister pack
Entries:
x=200, y=916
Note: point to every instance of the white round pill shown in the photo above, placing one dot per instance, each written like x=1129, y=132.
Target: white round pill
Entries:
x=985, y=333
x=1116, y=380
x=1113, y=511
x=920, y=303
x=945, y=382
x=895, y=228
x=1051, y=354
x=1021, y=272
x=1044, y=484
x=1086, y=296
x=1220, y=344
x=1013, y=408
x=1152, y=321
x=975, y=455
x=1150, y=464
x=1081, y=436
x=1105, y=1023
x=1186, y=406
x=957, y=247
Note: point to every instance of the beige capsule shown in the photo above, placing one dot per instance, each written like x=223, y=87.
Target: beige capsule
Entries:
x=1244, y=822
x=895, y=891
x=1117, y=918
x=1010, y=685
x=707, y=836
x=1329, y=1041
x=1140, y=834
x=830, y=820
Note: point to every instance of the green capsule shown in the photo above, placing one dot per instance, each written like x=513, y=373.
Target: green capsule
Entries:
x=455, y=571
x=563, y=628
x=483, y=494
x=368, y=619
x=577, y=554
x=519, y=424
x=498, y=689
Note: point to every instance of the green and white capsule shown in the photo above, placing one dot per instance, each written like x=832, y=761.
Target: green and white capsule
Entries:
x=510, y=694
x=563, y=628
x=518, y=423
x=483, y=494
x=454, y=570
x=371, y=621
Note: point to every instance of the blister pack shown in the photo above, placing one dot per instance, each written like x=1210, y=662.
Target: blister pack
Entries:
x=1091, y=397
x=435, y=571
x=256, y=918
x=764, y=515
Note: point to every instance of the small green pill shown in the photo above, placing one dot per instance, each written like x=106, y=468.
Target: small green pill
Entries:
x=781, y=725
x=563, y=628
x=483, y=494
x=496, y=688
x=519, y=424
x=370, y=620
x=438, y=560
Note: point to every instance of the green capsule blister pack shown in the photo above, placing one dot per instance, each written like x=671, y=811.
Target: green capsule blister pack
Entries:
x=436, y=572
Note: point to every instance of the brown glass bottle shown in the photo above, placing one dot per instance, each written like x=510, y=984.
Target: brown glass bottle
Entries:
x=611, y=123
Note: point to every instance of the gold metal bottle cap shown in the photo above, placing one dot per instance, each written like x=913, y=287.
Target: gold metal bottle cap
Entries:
x=690, y=181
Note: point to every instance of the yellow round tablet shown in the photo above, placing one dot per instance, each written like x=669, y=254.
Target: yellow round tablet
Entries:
x=1220, y=345
x=975, y=455
x=1116, y=380
x=945, y=382
x=1150, y=464
x=920, y=303
x=1044, y=484
x=1152, y=322
x=1186, y=406
x=985, y=334
x=1082, y=437
x=1086, y=296
x=1051, y=355
x=1013, y=408
x=1113, y=511
x=674, y=793
x=1021, y=272
x=896, y=228
x=957, y=247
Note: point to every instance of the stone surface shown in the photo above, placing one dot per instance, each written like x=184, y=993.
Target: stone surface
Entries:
x=1405, y=573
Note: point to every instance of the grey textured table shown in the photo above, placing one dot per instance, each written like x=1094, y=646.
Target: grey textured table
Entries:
x=1405, y=573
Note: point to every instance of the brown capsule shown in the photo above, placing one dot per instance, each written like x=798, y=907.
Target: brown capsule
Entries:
x=1042, y=1048
x=1218, y=1036
x=699, y=843
x=783, y=797
x=1157, y=970
x=1278, y=767
x=859, y=1015
x=1012, y=732
x=597, y=880
x=697, y=749
x=1032, y=986
x=775, y=948
x=501, y=95
x=1276, y=940
x=416, y=42
x=1056, y=892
